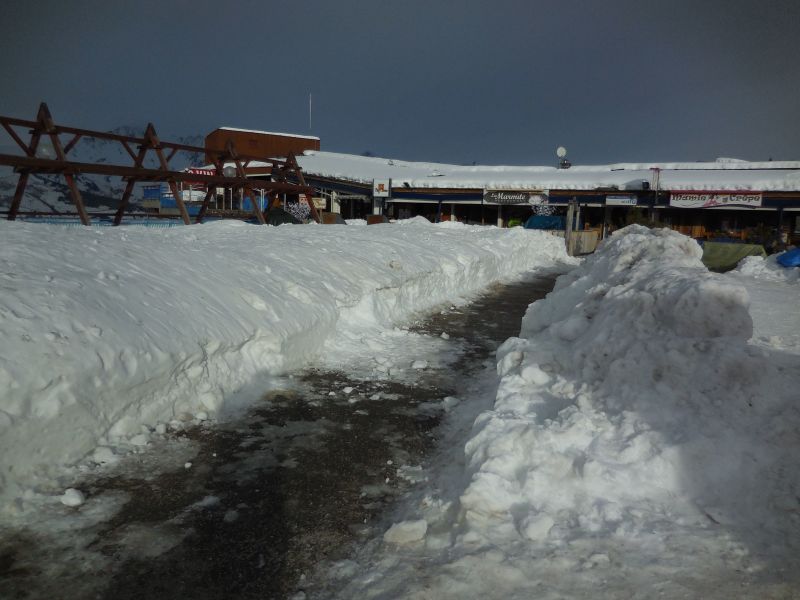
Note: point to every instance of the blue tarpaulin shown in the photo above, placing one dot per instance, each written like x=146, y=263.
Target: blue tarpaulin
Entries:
x=790, y=258
x=545, y=222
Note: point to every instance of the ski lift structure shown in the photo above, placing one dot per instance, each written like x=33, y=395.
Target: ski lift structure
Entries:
x=49, y=145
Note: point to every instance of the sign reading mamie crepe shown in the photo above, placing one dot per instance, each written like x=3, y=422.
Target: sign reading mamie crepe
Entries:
x=622, y=200
x=514, y=197
x=701, y=200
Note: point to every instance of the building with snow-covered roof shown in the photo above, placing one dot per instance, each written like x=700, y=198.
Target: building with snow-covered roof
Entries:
x=251, y=142
x=726, y=196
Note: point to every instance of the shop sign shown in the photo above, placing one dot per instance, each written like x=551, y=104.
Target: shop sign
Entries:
x=381, y=188
x=626, y=200
x=701, y=200
x=195, y=171
x=514, y=197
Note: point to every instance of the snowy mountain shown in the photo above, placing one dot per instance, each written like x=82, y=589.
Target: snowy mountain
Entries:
x=50, y=193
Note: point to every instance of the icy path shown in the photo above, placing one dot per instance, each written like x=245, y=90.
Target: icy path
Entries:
x=643, y=444
x=247, y=509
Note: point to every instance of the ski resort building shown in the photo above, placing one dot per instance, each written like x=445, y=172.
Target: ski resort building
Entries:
x=727, y=198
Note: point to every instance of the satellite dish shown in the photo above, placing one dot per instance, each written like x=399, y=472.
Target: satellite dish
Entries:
x=561, y=152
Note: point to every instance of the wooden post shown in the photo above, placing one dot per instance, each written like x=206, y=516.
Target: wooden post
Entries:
x=291, y=162
x=153, y=139
x=137, y=163
x=606, y=215
x=46, y=123
x=568, y=229
x=203, y=209
x=22, y=182
x=240, y=172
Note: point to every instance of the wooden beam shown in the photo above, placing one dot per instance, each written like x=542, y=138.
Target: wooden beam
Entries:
x=25, y=148
x=152, y=141
x=22, y=182
x=8, y=122
x=72, y=143
x=291, y=162
x=57, y=167
x=46, y=124
x=126, y=196
x=204, y=209
x=128, y=149
x=231, y=151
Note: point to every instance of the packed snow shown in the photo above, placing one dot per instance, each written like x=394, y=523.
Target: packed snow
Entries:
x=109, y=336
x=642, y=444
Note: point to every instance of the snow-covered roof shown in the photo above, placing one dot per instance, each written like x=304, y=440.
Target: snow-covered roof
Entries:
x=724, y=174
x=292, y=135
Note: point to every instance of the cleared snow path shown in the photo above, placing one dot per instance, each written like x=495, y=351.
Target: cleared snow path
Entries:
x=247, y=509
x=110, y=335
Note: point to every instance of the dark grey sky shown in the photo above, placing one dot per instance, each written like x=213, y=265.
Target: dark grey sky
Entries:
x=501, y=81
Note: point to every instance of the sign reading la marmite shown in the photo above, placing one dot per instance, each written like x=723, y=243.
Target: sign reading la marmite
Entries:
x=530, y=197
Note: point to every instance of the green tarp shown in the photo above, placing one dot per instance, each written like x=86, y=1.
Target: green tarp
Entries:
x=719, y=256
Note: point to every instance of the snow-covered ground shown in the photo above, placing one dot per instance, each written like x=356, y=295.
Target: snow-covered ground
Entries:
x=775, y=302
x=110, y=336
x=643, y=443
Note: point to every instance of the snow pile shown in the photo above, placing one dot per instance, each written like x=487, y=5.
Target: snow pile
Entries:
x=632, y=398
x=108, y=334
x=768, y=269
x=617, y=397
x=638, y=446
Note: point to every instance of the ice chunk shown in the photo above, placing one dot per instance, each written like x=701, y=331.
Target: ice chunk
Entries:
x=72, y=497
x=140, y=440
x=406, y=532
x=103, y=455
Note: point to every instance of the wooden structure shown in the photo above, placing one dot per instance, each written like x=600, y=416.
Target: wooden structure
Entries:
x=229, y=166
x=258, y=143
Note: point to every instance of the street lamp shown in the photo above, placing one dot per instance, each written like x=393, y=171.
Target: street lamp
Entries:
x=561, y=153
x=229, y=171
x=45, y=149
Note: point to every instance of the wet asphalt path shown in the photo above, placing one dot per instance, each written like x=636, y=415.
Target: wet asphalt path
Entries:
x=300, y=479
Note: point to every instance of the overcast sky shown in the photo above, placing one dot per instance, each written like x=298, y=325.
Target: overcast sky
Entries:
x=501, y=81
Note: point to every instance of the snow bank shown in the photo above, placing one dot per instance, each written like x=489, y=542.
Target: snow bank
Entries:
x=105, y=330
x=632, y=403
x=768, y=269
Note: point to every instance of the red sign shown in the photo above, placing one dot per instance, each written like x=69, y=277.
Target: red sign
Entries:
x=195, y=171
